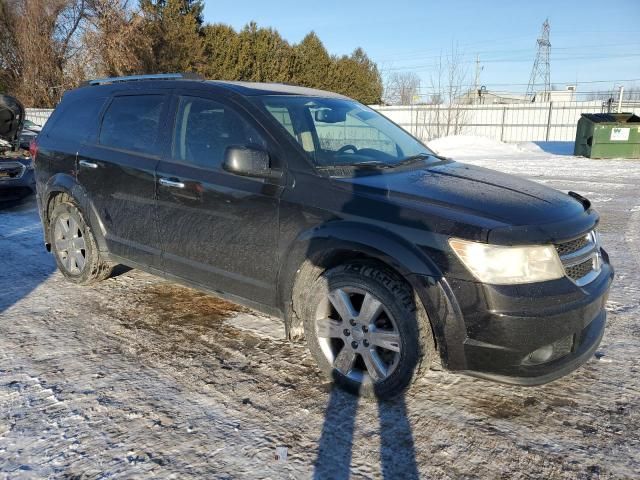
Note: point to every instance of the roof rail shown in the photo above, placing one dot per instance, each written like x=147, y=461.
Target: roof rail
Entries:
x=155, y=76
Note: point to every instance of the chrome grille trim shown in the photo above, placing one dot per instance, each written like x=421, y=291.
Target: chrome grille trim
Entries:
x=11, y=166
x=575, y=253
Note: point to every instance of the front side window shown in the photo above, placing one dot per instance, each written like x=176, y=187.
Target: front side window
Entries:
x=342, y=132
x=206, y=128
x=132, y=122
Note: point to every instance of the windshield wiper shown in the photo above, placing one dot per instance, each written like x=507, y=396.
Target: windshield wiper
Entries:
x=383, y=165
x=415, y=158
x=371, y=164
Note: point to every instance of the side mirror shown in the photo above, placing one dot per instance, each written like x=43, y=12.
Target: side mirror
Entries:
x=248, y=162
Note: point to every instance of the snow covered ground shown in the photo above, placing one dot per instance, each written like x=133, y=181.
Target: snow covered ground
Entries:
x=138, y=377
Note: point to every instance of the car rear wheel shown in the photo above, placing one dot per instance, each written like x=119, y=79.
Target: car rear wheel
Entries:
x=364, y=330
x=74, y=246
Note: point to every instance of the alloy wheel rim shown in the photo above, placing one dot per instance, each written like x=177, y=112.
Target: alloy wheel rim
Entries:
x=357, y=335
x=70, y=244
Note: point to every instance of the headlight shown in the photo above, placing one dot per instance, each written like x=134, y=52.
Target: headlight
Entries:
x=501, y=265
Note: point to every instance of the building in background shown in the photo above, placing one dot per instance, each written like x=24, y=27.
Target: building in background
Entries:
x=484, y=96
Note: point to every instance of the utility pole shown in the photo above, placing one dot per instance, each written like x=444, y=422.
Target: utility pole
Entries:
x=541, y=71
x=477, y=80
x=620, y=98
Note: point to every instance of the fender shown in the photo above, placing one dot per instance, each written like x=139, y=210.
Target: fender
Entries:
x=65, y=183
x=335, y=242
x=368, y=239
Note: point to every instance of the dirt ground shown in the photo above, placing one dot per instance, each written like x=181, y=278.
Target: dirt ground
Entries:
x=138, y=377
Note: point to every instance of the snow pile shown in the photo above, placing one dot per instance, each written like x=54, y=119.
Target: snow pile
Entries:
x=470, y=146
x=545, y=148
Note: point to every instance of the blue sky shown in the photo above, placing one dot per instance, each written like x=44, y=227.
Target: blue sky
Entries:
x=591, y=40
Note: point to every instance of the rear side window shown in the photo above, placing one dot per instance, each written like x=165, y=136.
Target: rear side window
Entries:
x=77, y=119
x=132, y=123
x=204, y=130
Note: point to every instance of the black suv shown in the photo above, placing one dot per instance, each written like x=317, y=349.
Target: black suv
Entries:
x=311, y=207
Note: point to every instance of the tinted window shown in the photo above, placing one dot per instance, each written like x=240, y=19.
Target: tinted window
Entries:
x=131, y=123
x=78, y=119
x=204, y=130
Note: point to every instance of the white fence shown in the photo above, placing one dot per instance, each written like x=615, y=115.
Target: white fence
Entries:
x=551, y=121
x=38, y=115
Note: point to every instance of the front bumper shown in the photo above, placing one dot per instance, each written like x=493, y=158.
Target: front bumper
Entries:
x=13, y=188
x=506, y=328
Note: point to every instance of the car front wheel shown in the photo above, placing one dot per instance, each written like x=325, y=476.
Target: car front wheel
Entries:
x=364, y=330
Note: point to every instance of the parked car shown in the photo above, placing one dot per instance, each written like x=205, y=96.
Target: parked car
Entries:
x=311, y=207
x=28, y=134
x=32, y=126
x=17, y=180
x=11, y=122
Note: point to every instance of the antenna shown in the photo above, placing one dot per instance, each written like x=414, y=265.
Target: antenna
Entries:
x=541, y=71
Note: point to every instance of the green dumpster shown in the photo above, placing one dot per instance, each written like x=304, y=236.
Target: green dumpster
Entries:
x=608, y=135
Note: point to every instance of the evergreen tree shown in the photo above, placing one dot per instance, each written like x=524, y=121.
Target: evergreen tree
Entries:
x=174, y=28
x=357, y=76
x=221, y=46
x=312, y=63
x=263, y=55
x=108, y=37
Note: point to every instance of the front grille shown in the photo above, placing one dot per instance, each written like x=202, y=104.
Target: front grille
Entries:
x=11, y=170
x=572, y=245
x=580, y=258
x=578, y=271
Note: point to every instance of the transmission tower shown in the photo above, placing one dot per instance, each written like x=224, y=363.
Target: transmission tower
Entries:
x=541, y=71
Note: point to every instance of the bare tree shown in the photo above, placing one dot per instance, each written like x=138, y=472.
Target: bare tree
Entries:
x=115, y=42
x=401, y=88
x=447, y=85
x=38, y=40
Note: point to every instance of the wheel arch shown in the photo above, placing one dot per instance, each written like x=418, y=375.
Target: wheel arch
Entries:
x=336, y=243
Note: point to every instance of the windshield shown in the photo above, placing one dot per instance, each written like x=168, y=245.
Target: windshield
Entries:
x=341, y=132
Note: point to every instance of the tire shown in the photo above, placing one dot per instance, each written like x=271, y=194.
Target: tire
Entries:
x=75, y=249
x=385, y=342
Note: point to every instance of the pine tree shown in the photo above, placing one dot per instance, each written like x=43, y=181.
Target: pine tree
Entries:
x=312, y=63
x=356, y=76
x=174, y=27
x=221, y=46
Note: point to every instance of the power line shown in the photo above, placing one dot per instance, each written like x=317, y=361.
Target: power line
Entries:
x=568, y=58
x=565, y=49
x=573, y=82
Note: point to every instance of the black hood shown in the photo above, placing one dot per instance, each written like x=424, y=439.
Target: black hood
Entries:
x=11, y=118
x=475, y=190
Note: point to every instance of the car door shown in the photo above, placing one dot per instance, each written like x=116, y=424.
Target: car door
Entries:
x=118, y=170
x=217, y=229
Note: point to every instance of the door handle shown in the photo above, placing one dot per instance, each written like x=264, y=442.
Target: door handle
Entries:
x=166, y=182
x=87, y=164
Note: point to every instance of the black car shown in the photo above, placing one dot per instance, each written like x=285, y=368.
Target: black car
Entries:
x=29, y=133
x=16, y=168
x=311, y=207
